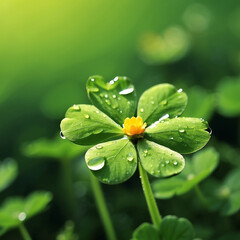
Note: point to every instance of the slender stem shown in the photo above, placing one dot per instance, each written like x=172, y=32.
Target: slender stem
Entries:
x=152, y=205
x=102, y=208
x=67, y=183
x=24, y=232
x=201, y=196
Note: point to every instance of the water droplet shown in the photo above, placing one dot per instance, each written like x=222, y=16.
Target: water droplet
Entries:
x=145, y=151
x=121, y=111
x=22, y=216
x=175, y=163
x=115, y=79
x=209, y=130
x=114, y=105
x=180, y=90
x=171, y=138
x=96, y=163
x=141, y=110
x=99, y=146
x=162, y=165
x=76, y=107
x=182, y=131
x=62, y=136
x=127, y=91
x=106, y=96
x=92, y=80
x=167, y=162
x=86, y=116
x=108, y=102
x=111, y=82
x=114, y=96
x=164, y=102
x=130, y=157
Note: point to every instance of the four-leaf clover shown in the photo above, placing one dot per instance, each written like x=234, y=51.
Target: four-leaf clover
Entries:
x=124, y=133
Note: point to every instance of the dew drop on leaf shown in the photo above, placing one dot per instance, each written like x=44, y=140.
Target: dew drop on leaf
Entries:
x=62, y=136
x=86, y=116
x=175, y=163
x=141, y=110
x=127, y=91
x=130, y=157
x=96, y=163
x=99, y=146
x=76, y=107
x=22, y=216
x=114, y=96
x=182, y=131
x=180, y=90
x=164, y=102
x=209, y=130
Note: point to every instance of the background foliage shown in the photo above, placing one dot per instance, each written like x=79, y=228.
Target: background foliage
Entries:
x=49, y=49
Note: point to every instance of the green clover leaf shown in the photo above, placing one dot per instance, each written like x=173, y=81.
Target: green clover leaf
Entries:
x=172, y=228
x=159, y=148
x=16, y=210
x=200, y=167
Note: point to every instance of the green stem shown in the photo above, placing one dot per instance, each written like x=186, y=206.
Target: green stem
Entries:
x=24, y=232
x=102, y=208
x=67, y=183
x=152, y=205
x=201, y=196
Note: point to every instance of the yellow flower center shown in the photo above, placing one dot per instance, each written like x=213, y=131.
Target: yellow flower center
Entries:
x=134, y=126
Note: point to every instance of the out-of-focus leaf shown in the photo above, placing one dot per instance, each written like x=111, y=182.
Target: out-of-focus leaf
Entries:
x=146, y=231
x=116, y=98
x=195, y=171
x=184, y=135
x=8, y=172
x=68, y=232
x=16, y=210
x=161, y=100
x=230, y=193
x=86, y=125
x=229, y=97
x=158, y=160
x=230, y=236
x=168, y=47
x=112, y=162
x=201, y=104
x=56, y=149
x=173, y=228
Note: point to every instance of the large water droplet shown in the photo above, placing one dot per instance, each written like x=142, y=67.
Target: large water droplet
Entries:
x=127, y=91
x=114, y=96
x=62, y=136
x=92, y=80
x=86, y=116
x=141, y=110
x=209, y=130
x=22, y=216
x=96, y=163
x=182, y=131
x=106, y=96
x=175, y=163
x=99, y=146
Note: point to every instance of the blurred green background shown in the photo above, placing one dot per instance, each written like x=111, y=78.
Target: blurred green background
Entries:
x=48, y=49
